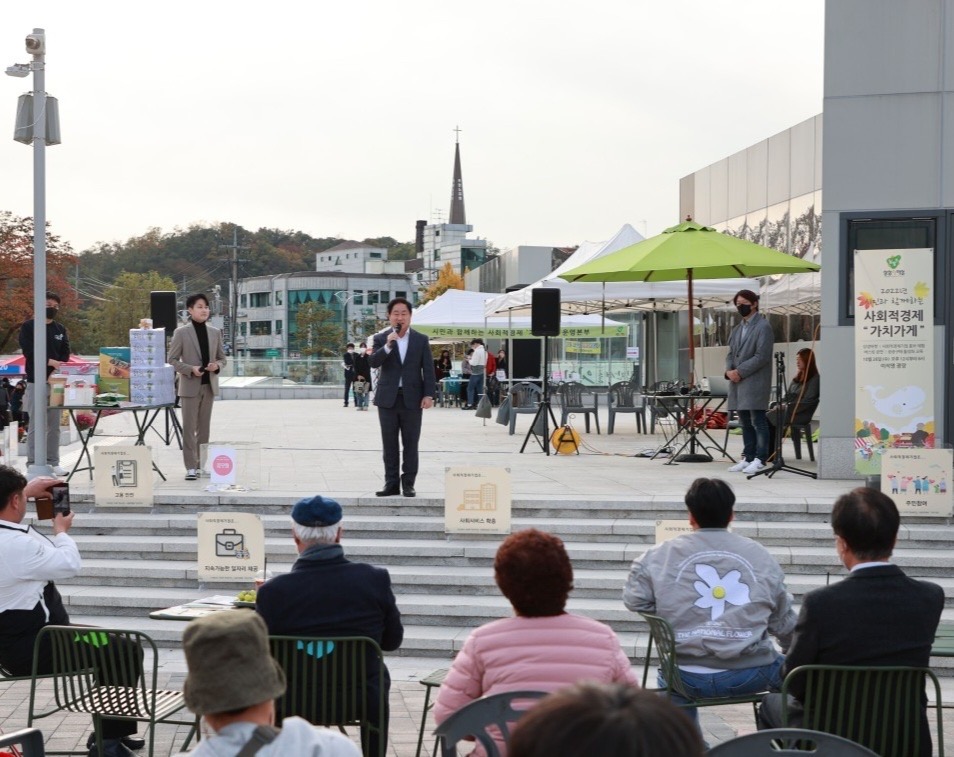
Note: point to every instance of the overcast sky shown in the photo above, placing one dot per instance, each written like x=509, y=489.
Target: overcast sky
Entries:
x=337, y=118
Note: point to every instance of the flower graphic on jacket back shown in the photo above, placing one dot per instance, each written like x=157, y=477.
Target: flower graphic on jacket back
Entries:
x=715, y=590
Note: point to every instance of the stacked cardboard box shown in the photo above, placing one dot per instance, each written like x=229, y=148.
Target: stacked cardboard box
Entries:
x=151, y=380
x=114, y=370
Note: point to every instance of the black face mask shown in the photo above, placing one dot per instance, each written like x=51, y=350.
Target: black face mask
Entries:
x=51, y=312
x=744, y=310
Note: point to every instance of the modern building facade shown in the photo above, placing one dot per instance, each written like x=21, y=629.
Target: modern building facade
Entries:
x=268, y=307
x=523, y=264
x=349, y=257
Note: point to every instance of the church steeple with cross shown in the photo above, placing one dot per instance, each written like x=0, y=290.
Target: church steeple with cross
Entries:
x=457, y=214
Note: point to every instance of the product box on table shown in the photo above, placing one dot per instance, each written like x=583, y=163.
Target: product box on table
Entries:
x=148, y=355
x=110, y=385
x=157, y=395
x=80, y=390
x=147, y=336
x=160, y=374
x=89, y=370
x=114, y=362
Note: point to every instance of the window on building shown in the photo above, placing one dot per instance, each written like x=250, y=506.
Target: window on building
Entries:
x=373, y=297
x=243, y=328
x=278, y=327
x=384, y=296
x=399, y=293
x=243, y=301
x=260, y=299
x=358, y=297
x=260, y=328
x=278, y=297
x=375, y=255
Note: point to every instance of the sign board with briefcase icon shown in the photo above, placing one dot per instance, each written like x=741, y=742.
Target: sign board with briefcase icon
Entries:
x=231, y=546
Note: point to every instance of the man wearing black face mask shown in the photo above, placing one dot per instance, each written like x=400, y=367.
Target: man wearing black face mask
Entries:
x=57, y=352
x=748, y=367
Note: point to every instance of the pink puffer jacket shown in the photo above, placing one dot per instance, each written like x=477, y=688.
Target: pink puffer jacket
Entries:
x=536, y=654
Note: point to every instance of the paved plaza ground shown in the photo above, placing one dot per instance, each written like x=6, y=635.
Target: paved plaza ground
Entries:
x=318, y=446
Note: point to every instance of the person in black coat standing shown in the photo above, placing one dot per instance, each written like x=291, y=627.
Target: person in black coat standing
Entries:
x=347, y=362
x=404, y=390
x=327, y=595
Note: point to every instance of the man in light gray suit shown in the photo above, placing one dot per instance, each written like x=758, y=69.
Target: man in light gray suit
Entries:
x=748, y=367
x=197, y=355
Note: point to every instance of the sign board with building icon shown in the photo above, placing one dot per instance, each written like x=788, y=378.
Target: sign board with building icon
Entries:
x=477, y=500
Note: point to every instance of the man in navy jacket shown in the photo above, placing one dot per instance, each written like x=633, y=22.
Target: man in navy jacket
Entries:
x=327, y=595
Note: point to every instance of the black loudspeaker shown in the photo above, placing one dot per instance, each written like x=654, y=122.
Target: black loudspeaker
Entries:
x=163, y=311
x=545, y=312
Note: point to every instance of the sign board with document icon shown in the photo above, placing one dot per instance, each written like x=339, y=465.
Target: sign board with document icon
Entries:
x=231, y=546
x=122, y=475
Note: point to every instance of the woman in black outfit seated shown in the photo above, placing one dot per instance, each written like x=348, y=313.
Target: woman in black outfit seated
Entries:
x=800, y=401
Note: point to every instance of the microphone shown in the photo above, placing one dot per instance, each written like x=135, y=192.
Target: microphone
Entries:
x=397, y=330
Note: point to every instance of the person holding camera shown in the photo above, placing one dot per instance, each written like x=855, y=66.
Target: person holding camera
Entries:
x=30, y=562
x=197, y=355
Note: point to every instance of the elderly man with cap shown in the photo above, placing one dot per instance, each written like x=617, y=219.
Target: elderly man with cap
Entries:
x=328, y=595
x=233, y=682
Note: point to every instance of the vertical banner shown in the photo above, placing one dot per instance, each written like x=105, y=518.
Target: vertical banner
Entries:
x=894, y=353
x=477, y=500
x=122, y=475
x=231, y=546
x=917, y=481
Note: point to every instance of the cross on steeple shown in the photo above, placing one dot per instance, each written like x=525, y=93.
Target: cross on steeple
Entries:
x=456, y=135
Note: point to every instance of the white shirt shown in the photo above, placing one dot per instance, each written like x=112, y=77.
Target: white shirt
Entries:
x=28, y=559
x=298, y=737
x=479, y=358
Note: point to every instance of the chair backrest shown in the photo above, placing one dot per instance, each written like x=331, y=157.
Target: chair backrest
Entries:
x=524, y=395
x=97, y=669
x=879, y=707
x=789, y=741
x=622, y=395
x=28, y=740
x=486, y=720
x=665, y=641
x=572, y=392
x=332, y=680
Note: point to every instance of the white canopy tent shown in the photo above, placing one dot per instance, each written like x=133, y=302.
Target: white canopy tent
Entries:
x=458, y=314
x=585, y=297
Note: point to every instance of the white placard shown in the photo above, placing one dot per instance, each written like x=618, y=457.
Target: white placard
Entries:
x=668, y=529
x=918, y=480
x=222, y=464
x=122, y=476
x=477, y=500
x=231, y=546
x=632, y=353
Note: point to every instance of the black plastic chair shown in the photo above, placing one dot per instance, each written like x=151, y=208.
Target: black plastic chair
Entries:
x=880, y=708
x=29, y=741
x=789, y=741
x=524, y=400
x=483, y=719
x=623, y=398
x=571, y=394
x=328, y=683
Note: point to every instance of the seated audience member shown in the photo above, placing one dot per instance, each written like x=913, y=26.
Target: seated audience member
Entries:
x=801, y=400
x=613, y=720
x=722, y=593
x=30, y=562
x=327, y=595
x=233, y=682
x=542, y=647
x=876, y=616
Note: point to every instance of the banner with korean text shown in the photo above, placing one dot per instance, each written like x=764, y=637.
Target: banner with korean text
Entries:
x=894, y=353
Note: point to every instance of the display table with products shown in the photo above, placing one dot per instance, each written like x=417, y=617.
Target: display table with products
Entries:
x=144, y=416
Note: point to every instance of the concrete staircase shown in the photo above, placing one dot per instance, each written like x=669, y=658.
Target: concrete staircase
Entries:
x=135, y=562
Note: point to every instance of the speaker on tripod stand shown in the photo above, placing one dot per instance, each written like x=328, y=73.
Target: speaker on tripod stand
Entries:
x=545, y=322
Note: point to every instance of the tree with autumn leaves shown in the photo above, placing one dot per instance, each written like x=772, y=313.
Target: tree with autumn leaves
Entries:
x=447, y=278
x=16, y=276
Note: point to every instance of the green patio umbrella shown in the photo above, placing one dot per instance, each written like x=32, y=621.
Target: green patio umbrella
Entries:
x=685, y=252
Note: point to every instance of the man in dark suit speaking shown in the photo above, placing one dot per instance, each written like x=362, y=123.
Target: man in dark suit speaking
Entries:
x=404, y=390
x=875, y=617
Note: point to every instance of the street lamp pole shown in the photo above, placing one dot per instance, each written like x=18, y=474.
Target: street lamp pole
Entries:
x=344, y=298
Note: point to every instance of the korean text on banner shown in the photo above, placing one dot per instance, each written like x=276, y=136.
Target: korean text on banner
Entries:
x=894, y=353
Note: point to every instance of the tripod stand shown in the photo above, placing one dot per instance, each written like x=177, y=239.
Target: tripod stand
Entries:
x=777, y=462
x=544, y=412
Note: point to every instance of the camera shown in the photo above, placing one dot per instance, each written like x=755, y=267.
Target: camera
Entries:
x=60, y=494
x=36, y=44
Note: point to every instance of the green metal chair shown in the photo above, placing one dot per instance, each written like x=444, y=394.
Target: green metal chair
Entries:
x=100, y=672
x=661, y=632
x=796, y=742
x=881, y=708
x=29, y=742
x=484, y=718
x=330, y=683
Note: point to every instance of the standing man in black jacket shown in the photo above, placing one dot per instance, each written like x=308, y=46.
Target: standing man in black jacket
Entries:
x=57, y=352
x=347, y=362
x=404, y=390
